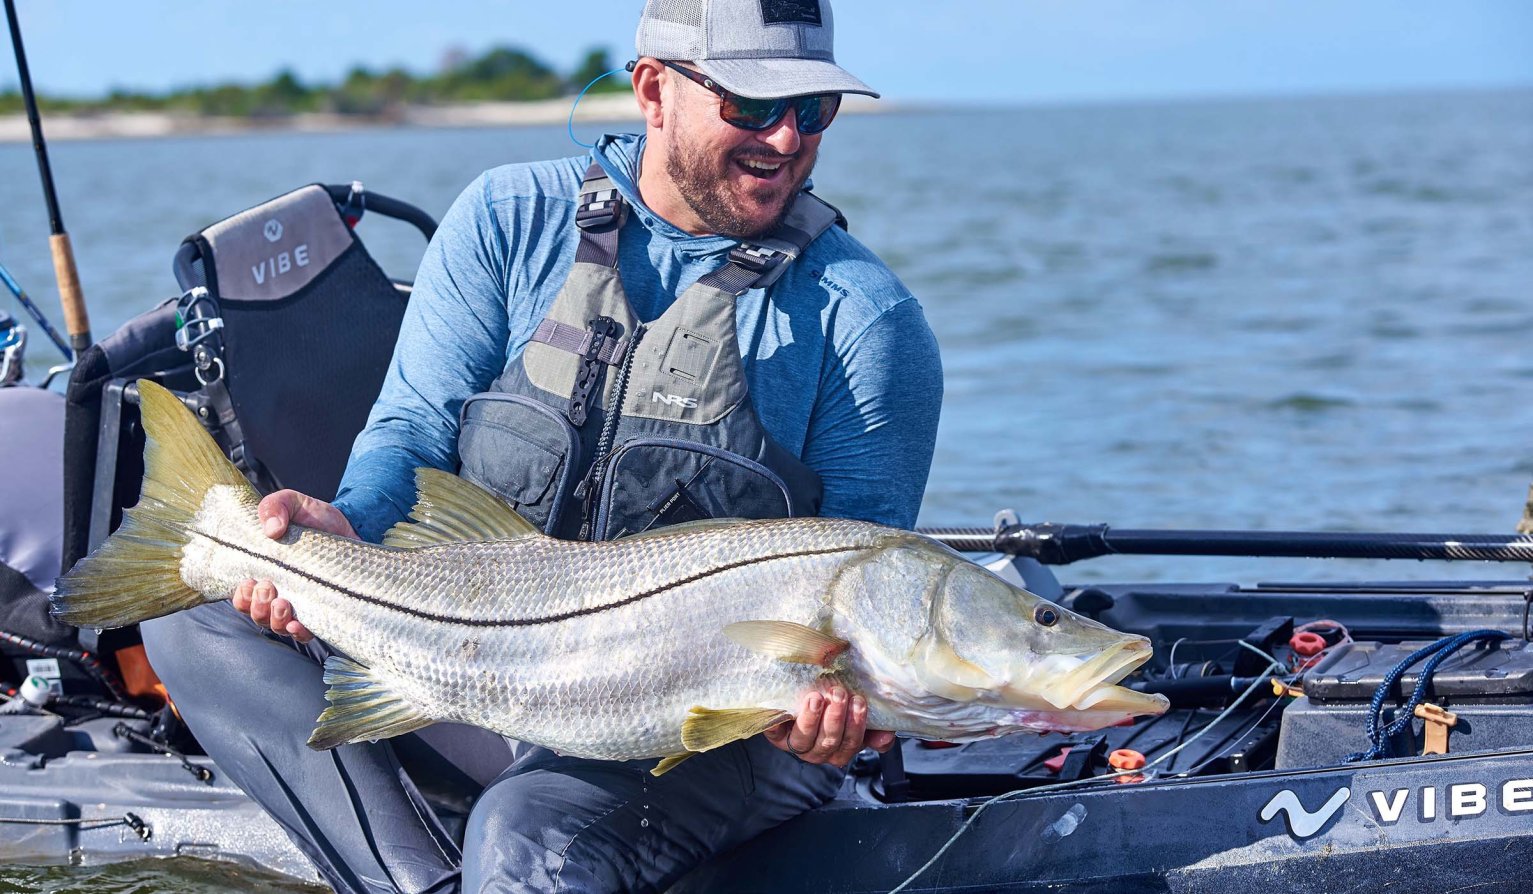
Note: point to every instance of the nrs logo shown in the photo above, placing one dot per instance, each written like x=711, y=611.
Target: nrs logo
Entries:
x=673, y=400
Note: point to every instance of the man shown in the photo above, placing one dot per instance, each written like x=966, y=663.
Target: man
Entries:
x=668, y=330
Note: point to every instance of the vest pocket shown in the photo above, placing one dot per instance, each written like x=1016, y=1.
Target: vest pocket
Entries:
x=656, y=482
x=522, y=450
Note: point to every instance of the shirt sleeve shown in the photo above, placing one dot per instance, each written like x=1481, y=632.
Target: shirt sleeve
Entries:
x=874, y=427
x=452, y=344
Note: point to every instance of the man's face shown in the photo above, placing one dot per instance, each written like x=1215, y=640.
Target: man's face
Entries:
x=738, y=182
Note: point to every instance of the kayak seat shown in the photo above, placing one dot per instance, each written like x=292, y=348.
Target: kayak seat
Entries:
x=279, y=341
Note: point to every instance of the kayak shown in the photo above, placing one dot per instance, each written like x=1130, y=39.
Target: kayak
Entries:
x=1303, y=747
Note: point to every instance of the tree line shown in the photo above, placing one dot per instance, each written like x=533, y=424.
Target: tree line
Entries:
x=500, y=74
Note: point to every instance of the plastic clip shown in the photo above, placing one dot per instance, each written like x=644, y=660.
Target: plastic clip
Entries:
x=356, y=204
x=757, y=258
x=599, y=209
x=591, y=365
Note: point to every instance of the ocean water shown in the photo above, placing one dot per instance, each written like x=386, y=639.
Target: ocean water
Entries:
x=1273, y=314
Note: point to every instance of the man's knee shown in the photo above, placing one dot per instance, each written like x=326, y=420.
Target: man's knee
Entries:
x=178, y=645
x=544, y=831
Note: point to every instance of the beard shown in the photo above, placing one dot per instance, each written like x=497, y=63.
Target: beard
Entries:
x=706, y=183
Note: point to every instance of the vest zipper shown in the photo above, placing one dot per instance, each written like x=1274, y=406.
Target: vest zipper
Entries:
x=589, y=485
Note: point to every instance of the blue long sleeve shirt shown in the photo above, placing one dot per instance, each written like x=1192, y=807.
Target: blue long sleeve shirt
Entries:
x=841, y=365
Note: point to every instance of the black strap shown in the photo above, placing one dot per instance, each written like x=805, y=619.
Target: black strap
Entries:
x=601, y=212
x=599, y=215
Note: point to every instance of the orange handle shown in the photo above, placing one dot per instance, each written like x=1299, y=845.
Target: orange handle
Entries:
x=76, y=320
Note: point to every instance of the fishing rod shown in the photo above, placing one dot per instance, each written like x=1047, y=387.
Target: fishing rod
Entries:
x=1058, y=544
x=76, y=320
x=37, y=314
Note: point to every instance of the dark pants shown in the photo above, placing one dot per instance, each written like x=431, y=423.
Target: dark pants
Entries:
x=541, y=823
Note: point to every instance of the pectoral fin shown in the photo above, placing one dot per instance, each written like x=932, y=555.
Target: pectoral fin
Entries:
x=706, y=729
x=669, y=762
x=362, y=707
x=788, y=641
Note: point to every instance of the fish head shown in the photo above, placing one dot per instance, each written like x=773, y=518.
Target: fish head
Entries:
x=1011, y=646
x=1002, y=658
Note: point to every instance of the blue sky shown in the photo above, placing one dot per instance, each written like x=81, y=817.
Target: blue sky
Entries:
x=982, y=51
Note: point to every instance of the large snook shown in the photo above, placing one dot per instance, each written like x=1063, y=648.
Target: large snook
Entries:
x=661, y=644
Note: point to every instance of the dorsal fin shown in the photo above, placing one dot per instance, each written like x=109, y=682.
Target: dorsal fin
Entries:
x=449, y=509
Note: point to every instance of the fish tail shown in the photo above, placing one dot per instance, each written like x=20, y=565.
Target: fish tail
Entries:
x=136, y=574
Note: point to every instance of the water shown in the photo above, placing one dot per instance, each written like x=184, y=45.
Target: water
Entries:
x=1280, y=314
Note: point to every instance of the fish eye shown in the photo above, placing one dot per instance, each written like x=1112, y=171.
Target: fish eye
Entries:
x=1046, y=615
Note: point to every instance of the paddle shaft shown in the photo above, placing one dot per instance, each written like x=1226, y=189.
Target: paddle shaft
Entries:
x=76, y=320
x=1055, y=544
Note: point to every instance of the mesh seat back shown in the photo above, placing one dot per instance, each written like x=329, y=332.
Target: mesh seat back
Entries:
x=309, y=324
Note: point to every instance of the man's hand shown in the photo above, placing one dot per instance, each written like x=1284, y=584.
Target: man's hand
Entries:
x=259, y=599
x=831, y=728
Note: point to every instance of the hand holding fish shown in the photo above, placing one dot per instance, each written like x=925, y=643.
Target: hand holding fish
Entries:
x=259, y=599
x=830, y=728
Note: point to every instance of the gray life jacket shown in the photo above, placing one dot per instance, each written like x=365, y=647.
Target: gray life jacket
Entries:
x=609, y=426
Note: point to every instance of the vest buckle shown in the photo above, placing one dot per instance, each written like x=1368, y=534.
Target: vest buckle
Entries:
x=599, y=209
x=757, y=258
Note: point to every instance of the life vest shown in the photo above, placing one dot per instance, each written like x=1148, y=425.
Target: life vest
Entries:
x=607, y=425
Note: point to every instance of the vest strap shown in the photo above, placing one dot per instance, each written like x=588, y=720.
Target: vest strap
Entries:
x=599, y=215
x=756, y=264
x=753, y=264
x=578, y=341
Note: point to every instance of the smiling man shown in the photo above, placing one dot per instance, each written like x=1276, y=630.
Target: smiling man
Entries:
x=667, y=330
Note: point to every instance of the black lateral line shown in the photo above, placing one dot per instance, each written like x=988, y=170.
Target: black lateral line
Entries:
x=522, y=622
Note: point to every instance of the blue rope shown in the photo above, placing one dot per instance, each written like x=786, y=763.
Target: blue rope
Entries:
x=570, y=124
x=1439, y=652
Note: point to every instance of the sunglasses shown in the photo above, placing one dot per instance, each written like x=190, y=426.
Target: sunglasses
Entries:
x=813, y=113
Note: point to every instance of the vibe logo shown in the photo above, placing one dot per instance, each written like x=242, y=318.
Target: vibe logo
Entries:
x=673, y=400
x=272, y=230
x=1453, y=801
x=1303, y=823
x=280, y=263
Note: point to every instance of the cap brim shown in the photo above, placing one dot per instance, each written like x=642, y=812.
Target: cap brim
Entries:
x=776, y=78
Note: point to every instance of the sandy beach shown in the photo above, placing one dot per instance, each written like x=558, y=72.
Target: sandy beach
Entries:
x=148, y=125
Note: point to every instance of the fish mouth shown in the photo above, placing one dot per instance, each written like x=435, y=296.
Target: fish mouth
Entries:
x=1091, y=686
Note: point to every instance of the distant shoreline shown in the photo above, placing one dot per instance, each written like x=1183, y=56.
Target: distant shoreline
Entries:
x=152, y=125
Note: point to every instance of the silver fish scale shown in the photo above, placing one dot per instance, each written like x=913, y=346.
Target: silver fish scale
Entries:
x=593, y=649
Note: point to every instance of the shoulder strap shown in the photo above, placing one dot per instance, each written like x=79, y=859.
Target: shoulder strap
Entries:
x=599, y=215
x=753, y=264
x=758, y=263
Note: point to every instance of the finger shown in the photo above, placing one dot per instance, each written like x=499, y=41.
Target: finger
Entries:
x=313, y=513
x=241, y=597
x=260, y=603
x=806, y=726
x=297, y=631
x=832, y=727
x=879, y=740
x=778, y=735
x=856, y=728
x=281, y=614
x=275, y=511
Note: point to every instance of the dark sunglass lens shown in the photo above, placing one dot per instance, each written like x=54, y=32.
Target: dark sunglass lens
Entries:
x=816, y=112
x=752, y=114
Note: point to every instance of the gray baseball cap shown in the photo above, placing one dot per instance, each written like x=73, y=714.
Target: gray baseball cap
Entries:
x=762, y=49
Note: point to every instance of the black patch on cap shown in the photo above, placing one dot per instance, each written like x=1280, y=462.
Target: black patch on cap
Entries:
x=790, y=12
